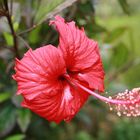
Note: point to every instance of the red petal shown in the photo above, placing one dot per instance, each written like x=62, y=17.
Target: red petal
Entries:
x=81, y=54
x=37, y=72
x=61, y=105
x=94, y=76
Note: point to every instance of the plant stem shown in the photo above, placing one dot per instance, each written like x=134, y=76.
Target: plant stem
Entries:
x=27, y=30
x=50, y=15
x=15, y=41
x=26, y=44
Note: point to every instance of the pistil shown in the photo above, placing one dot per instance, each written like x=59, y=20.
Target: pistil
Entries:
x=126, y=103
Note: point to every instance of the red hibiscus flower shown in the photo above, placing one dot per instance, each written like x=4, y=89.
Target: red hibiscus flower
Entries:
x=56, y=82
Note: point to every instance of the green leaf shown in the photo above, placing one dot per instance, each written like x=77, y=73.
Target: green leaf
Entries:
x=34, y=35
x=132, y=76
x=24, y=117
x=120, y=55
x=9, y=39
x=4, y=96
x=16, y=137
x=16, y=100
x=83, y=136
x=115, y=34
x=45, y=7
x=16, y=26
x=7, y=119
x=125, y=6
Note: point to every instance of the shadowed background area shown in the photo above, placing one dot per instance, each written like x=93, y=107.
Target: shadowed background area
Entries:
x=114, y=24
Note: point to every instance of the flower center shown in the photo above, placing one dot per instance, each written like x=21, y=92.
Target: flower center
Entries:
x=67, y=75
x=61, y=78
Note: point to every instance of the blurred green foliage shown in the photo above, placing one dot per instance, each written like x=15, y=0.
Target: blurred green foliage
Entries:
x=114, y=24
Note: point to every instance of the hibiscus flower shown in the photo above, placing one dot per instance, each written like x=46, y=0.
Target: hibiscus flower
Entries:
x=56, y=82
